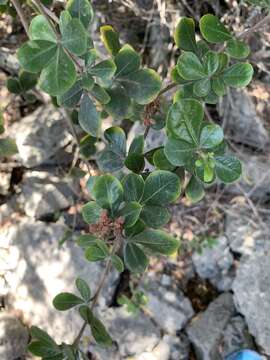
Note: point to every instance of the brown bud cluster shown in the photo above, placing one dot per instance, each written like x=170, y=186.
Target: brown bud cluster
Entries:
x=106, y=226
x=149, y=111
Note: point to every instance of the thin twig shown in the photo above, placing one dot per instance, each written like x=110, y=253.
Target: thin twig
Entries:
x=21, y=15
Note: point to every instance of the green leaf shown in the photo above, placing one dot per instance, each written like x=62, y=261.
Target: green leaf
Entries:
x=40, y=29
x=105, y=69
x=91, y=212
x=131, y=213
x=190, y=67
x=8, y=147
x=184, y=35
x=14, y=86
x=2, y=127
x=59, y=75
x=97, y=251
x=45, y=351
x=89, y=118
x=100, y=94
x=161, y=162
x=135, y=259
x=65, y=301
x=213, y=30
x=157, y=241
x=194, y=190
x=116, y=137
x=238, y=75
x=98, y=330
x=228, y=168
x=82, y=10
x=27, y=80
x=133, y=185
x=83, y=289
x=64, y=19
x=127, y=61
x=218, y=86
x=135, y=162
x=108, y=192
x=87, y=82
x=110, y=39
x=261, y=3
x=155, y=216
x=143, y=85
x=117, y=263
x=184, y=119
x=202, y=47
x=161, y=187
x=86, y=240
x=74, y=37
x=179, y=152
x=137, y=145
x=109, y=160
x=119, y=105
x=136, y=229
x=42, y=336
x=202, y=87
x=223, y=61
x=211, y=62
x=35, y=55
x=71, y=98
x=237, y=49
x=176, y=77
x=211, y=136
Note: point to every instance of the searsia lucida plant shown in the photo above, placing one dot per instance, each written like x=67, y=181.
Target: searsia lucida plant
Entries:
x=128, y=205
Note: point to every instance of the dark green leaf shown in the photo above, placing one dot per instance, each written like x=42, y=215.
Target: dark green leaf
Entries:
x=131, y=213
x=218, y=86
x=157, y=241
x=137, y=145
x=110, y=39
x=211, y=62
x=97, y=251
x=179, y=152
x=71, y=98
x=223, y=61
x=14, y=86
x=116, y=137
x=41, y=349
x=228, y=168
x=161, y=162
x=211, y=136
x=86, y=240
x=238, y=75
x=194, y=190
x=184, y=35
x=133, y=185
x=100, y=94
x=190, y=67
x=184, y=119
x=117, y=263
x=40, y=29
x=2, y=128
x=36, y=55
x=105, y=69
x=213, y=30
x=83, y=289
x=202, y=87
x=87, y=146
x=82, y=10
x=155, y=216
x=127, y=61
x=135, y=259
x=143, y=85
x=136, y=229
x=202, y=47
x=109, y=160
x=237, y=49
x=65, y=301
x=27, y=80
x=42, y=336
x=135, y=162
x=91, y=212
x=119, y=105
x=8, y=147
x=58, y=77
x=161, y=187
x=108, y=192
x=89, y=118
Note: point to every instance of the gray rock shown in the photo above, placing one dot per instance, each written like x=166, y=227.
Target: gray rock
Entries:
x=38, y=270
x=246, y=235
x=4, y=183
x=236, y=336
x=205, y=331
x=13, y=337
x=251, y=296
x=242, y=120
x=255, y=179
x=9, y=61
x=215, y=264
x=169, y=308
x=44, y=194
x=134, y=334
x=40, y=135
x=154, y=138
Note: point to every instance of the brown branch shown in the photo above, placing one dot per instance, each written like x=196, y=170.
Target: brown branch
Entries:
x=21, y=15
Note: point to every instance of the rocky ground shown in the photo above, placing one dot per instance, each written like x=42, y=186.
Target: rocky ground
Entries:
x=209, y=301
